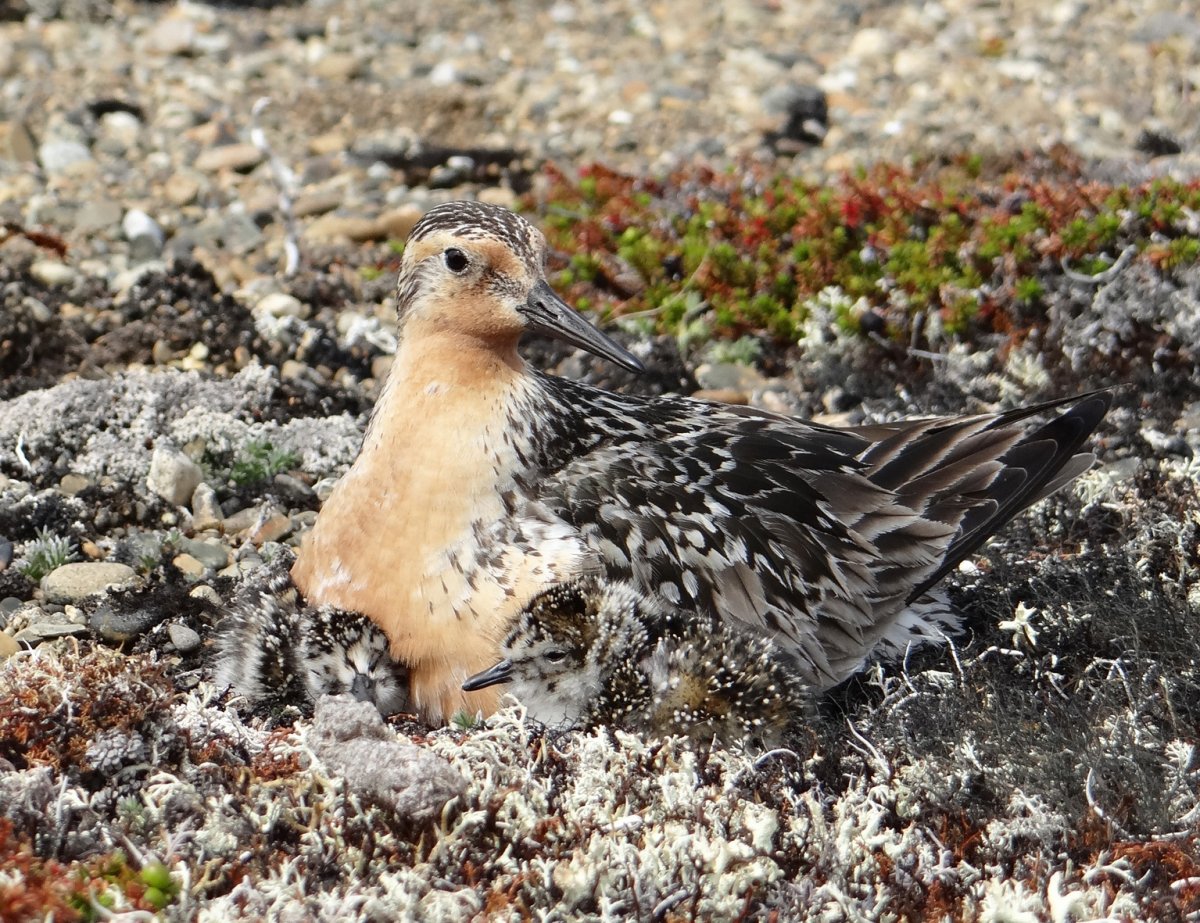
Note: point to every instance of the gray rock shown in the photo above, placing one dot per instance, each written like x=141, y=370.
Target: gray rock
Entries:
x=294, y=490
x=184, y=638
x=6, y=555
x=74, y=582
x=173, y=476
x=50, y=626
x=1159, y=27
x=350, y=738
x=206, y=510
x=234, y=233
x=804, y=111
x=59, y=156
x=97, y=215
x=113, y=625
x=210, y=554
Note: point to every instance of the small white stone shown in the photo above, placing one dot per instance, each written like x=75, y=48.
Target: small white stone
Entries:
x=173, y=476
x=52, y=273
x=281, y=304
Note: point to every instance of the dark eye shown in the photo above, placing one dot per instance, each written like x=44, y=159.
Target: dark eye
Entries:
x=456, y=260
x=556, y=656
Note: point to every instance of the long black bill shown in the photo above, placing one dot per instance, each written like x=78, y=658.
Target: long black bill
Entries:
x=549, y=314
x=497, y=673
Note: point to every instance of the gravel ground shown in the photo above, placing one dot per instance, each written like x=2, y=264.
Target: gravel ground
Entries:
x=173, y=410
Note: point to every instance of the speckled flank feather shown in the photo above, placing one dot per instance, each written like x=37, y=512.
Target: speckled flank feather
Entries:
x=273, y=648
x=598, y=653
x=482, y=483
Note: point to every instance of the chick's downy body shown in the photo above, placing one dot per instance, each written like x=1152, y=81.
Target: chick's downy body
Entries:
x=597, y=653
x=271, y=647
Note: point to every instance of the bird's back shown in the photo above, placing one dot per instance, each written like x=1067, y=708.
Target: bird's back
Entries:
x=827, y=540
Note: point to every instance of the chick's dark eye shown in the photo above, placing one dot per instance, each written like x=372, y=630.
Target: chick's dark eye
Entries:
x=456, y=260
x=556, y=656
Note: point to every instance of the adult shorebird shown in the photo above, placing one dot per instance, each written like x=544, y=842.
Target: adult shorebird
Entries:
x=600, y=653
x=482, y=482
x=272, y=647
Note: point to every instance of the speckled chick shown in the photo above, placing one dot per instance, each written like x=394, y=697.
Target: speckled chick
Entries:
x=599, y=653
x=272, y=647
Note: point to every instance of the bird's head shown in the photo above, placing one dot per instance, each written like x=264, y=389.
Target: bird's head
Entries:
x=562, y=646
x=478, y=271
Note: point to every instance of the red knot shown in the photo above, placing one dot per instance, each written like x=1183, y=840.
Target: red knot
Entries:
x=482, y=482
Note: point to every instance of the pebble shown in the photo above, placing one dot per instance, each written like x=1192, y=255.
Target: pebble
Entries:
x=239, y=157
x=294, y=490
x=717, y=376
x=338, y=66
x=206, y=510
x=46, y=626
x=189, y=566
x=281, y=304
x=232, y=232
x=181, y=190
x=8, y=645
x=240, y=521
x=119, y=131
x=207, y=593
x=344, y=227
x=184, y=638
x=722, y=395
x=173, y=476
x=211, y=554
x=77, y=581
x=60, y=156
x=317, y=203
x=171, y=35
x=53, y=274
x=144, y=235
x=6, y=556
x=125, y=625
x=97, y=215
x=272, y=529
x=71, y=484
x=16, y=143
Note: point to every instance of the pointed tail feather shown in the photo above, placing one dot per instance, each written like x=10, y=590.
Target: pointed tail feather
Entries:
x=1034, y=467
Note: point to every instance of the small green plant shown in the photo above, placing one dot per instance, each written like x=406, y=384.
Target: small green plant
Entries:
x=1028, y=290
x=465, y=720
x=44, y=554
x=259, y=461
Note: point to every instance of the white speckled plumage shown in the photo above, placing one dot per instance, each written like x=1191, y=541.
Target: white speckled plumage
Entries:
x=482, y=482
